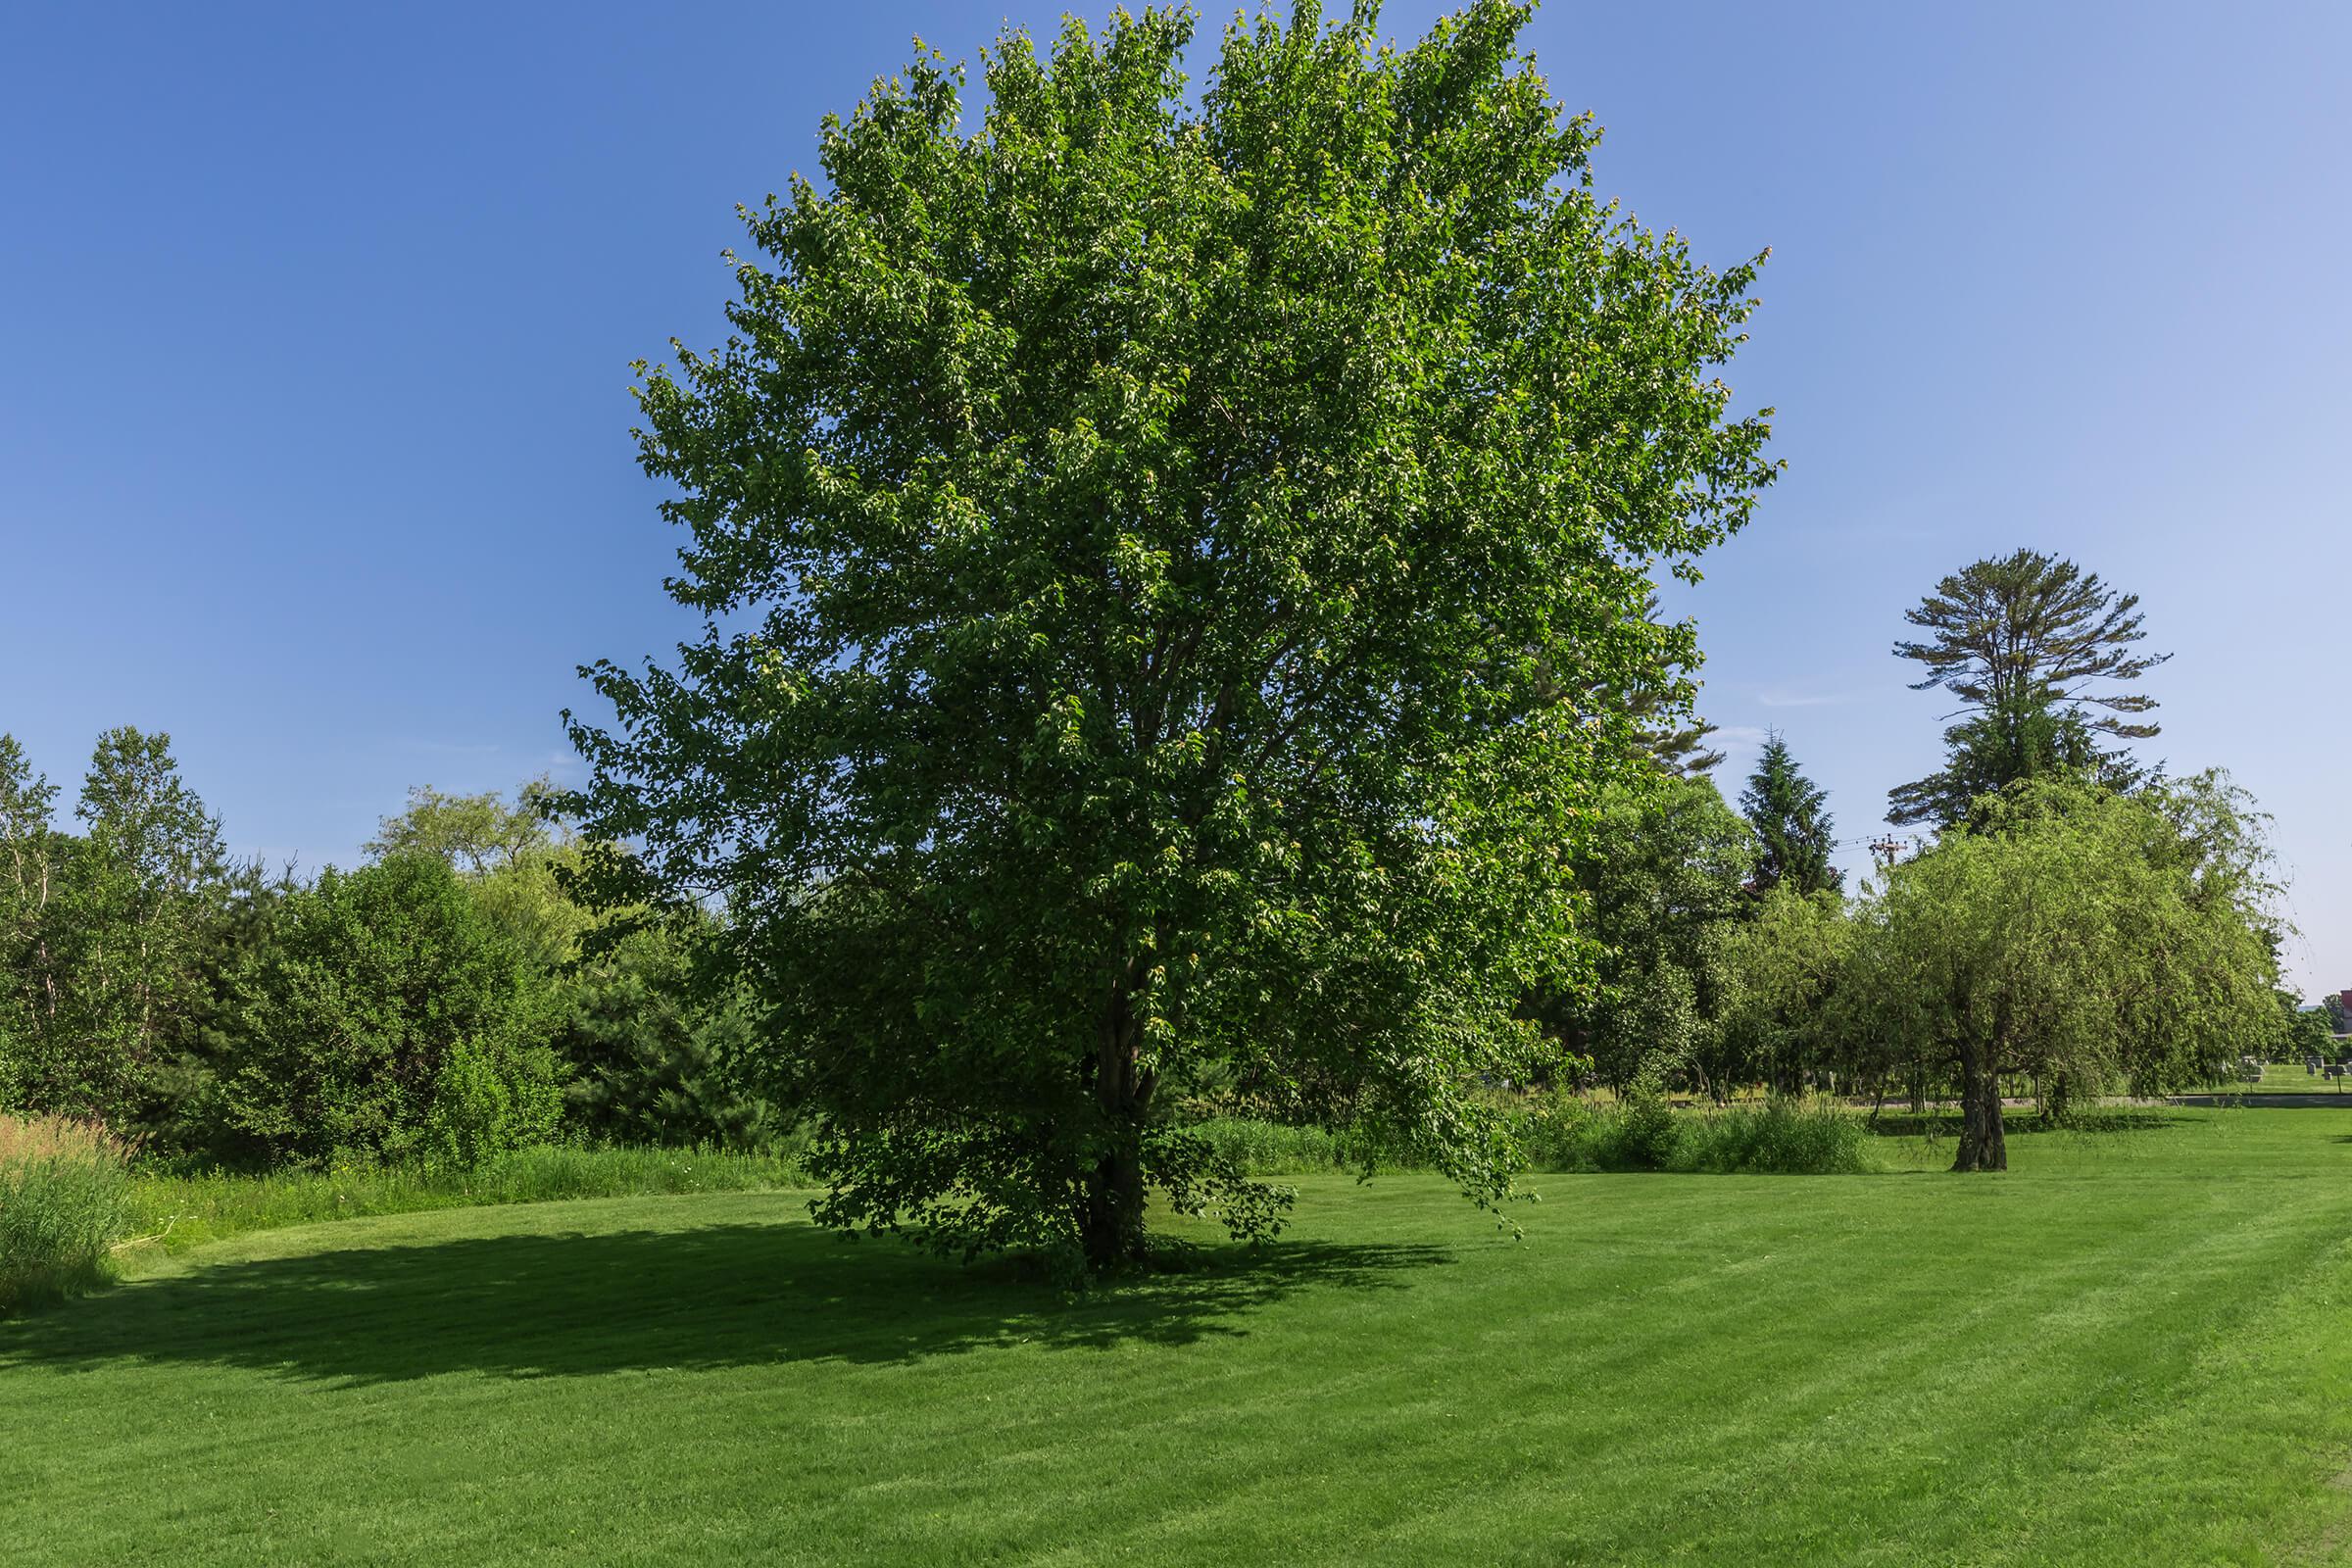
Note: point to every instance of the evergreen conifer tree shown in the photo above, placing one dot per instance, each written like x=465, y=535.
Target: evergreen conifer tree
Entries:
x=2034, y=648
x=1793, y=832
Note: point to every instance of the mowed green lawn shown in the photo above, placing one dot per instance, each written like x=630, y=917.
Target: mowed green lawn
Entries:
x=2134, y=1349
x=2293, y=1078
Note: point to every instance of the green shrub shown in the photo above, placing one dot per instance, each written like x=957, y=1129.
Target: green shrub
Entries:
x=1779, y=1138
x=1646, y=1135
x=488, y=1101
x=654, y=1062
x=63, y=1188
x=380, y=993
x=1271, y=1148
x=1563, y=1134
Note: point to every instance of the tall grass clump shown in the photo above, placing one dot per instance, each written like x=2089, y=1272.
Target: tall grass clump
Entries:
x=65, y=1190
x=1274, y=1149
x=1780, y=1138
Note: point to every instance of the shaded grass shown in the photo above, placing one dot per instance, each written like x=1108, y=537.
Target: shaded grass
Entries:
x=2126, y=1351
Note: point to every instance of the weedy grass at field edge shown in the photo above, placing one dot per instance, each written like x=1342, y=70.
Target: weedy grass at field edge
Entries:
x=63, y=1200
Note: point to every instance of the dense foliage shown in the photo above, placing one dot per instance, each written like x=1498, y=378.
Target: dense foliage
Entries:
x=655, y=1063
x=2089, y=938
x=1147, y=543
x=387, y=1016
x=430, y=1008
x=1661, y=875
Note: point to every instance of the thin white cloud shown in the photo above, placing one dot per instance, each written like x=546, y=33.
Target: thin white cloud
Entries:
x=1802, y=699
x=433, y=748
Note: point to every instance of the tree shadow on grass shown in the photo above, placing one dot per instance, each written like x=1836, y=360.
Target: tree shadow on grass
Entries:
x=713, y=1296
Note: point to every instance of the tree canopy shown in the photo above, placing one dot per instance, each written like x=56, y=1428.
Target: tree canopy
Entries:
x=2034, y=649
x=1794, y=831
x=1138, y=539
x=2086, y=938
x=1661, y=870
x=385, y=1015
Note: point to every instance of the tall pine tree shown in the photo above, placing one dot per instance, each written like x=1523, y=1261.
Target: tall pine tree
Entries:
x=1793, y=832
x=2034, y=648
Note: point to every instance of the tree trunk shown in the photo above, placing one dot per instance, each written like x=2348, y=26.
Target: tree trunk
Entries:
x=1110, y=1217
x=1983, y=1145
x=1112, y=1225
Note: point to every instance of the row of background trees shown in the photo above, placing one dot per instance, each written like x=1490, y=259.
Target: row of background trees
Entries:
x=2087, y=924
x=436, y=1004
x=2079, y=919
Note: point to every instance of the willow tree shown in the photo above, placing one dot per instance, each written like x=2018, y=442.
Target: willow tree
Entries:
x=2094, y=941
x=1133, y=534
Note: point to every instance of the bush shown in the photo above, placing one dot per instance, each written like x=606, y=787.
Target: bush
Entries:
x=1780, y=1138
x=1271, y=1148
x=486, y=1102
x=654, y=1062
x=1563, y=1134
x=63, y=1190
x=387, y=1016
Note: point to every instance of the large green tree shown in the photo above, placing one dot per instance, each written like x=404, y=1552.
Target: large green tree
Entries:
x=476, y=835
x=1779, y=1015
x=515, y=857
x=2038, y=654
x=1137, y=536
x=1662, y=873
x=2092, y=939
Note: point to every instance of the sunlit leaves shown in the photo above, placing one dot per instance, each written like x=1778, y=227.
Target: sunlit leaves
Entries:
x=1140, y=535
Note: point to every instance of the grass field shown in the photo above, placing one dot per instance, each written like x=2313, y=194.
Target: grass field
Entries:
x=2132, y=1348
x=2290, y=1078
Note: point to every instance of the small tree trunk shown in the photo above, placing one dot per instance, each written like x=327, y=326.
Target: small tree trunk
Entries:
x=1983, y=1145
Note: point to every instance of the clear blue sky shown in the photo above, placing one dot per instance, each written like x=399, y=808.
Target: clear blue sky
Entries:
x=313, y=451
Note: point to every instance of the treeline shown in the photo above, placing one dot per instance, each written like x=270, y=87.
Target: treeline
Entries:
x=2077, y=938
x=2076, y=927
x=2078, y=924
x=438, y=1004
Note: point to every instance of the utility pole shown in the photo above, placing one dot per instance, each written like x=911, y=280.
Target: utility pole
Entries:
x=1886, y=849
